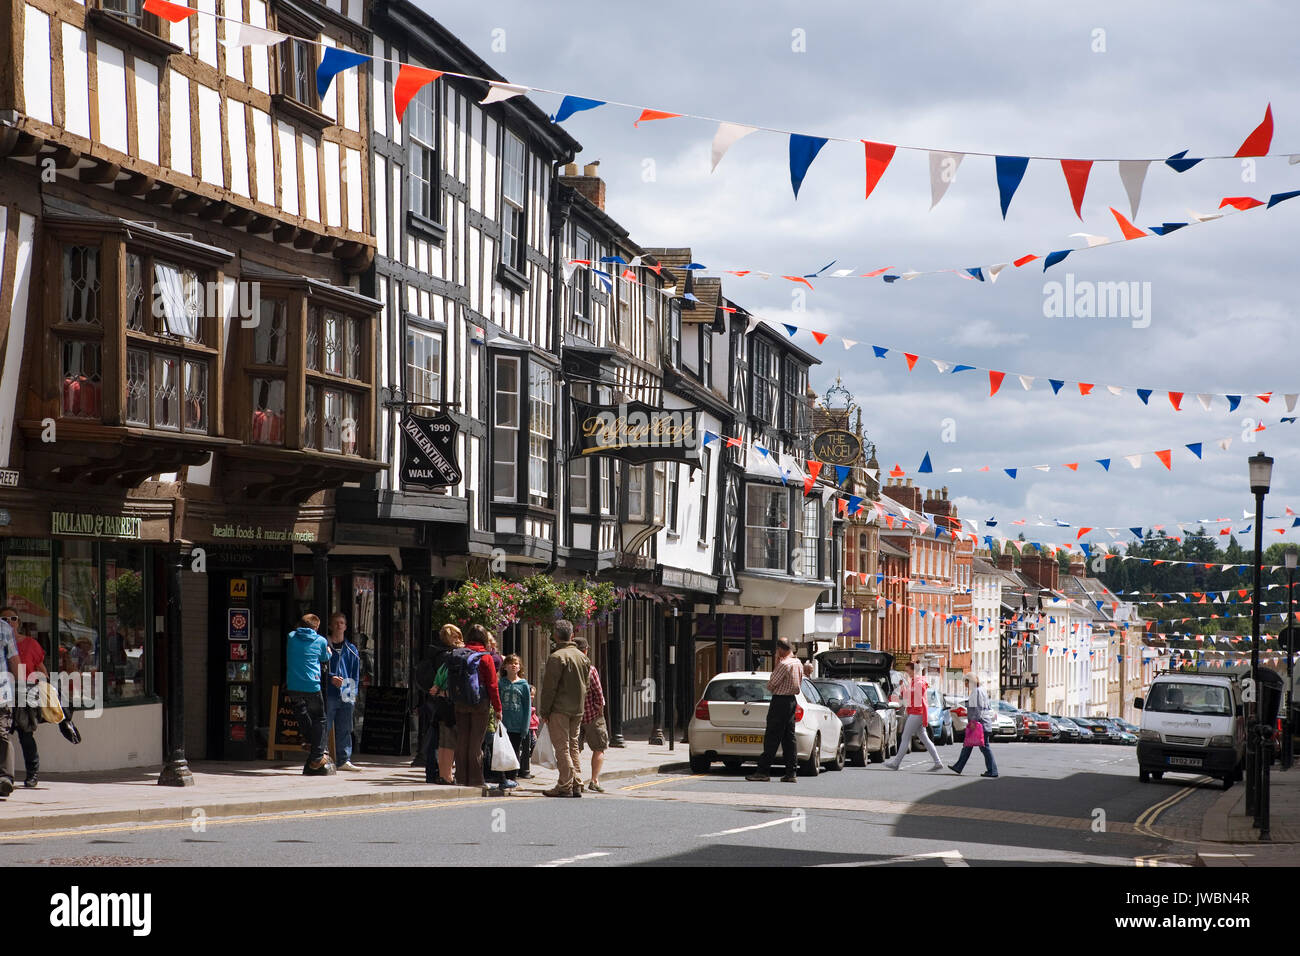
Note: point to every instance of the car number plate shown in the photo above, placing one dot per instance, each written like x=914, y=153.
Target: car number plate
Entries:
x=744, y=738
x=1185, y=761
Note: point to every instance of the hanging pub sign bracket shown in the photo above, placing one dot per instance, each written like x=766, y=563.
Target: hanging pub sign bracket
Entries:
x=636, y=432
x=429, y=451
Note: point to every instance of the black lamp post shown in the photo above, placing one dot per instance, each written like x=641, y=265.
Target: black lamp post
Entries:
x=1288, y=730
x=1261, y=474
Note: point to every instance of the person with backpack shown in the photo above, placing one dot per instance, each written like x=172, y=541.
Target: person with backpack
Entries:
x=472, y=685
x=564, y=693
x=979, y=730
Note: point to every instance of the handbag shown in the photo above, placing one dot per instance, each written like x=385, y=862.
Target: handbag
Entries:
x=544, y=752
x=974, y=735
x=503, y=752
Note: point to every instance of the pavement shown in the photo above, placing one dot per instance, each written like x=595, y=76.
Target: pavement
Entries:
x=252, y=787
x=1229, y=835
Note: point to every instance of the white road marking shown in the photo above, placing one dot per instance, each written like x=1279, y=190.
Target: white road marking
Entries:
x=573, y=859
x=949, y=857
x=756, y=826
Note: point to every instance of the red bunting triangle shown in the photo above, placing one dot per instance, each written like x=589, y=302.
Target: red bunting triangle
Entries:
x=1076, y=177
x=1073, y=466
x=808, y=485
x=878, y=157
x=875, y=272
x=1265, y=397
x=911, y=360
x=1023, y=260
x=1082, y=532
x=799, y=279
x=654, y=115
x=1240, y=202
x=814, y=469
x=819, y=336
x=896, y=472
x=733, y=442
x=1085, y=388
x=1176, y=400
x=1258, y=142
x=410, y=80
x=172, y=12
x=995, y=382
x=1260, y=428
x=1164, y=457
x=1129, y=230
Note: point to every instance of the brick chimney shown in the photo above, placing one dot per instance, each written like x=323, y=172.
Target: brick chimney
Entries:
x=589, y=184
x=1041, y=569
x=905, y=494
x=1007, y=561
x=1078, y=567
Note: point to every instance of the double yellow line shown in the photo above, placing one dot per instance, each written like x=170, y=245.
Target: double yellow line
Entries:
x=1148, y=817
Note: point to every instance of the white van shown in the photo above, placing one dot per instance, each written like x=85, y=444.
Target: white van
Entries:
x=1192, y=723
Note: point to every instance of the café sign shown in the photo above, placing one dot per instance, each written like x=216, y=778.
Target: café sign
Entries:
x=636, y=432
x=837, y=447
x=94, y=526
x=429, y=451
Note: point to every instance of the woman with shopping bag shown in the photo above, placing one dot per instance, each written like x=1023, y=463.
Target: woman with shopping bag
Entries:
x=517, y=709
x=979, y=727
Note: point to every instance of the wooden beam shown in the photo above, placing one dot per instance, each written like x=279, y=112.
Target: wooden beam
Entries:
x=324, y=244
x=284, y=232
x=163, y=195
x=215, y=210
x=27, y=145
x=236, y=217
x=65, y=157
x=190, y=203
x=305, y=240
x=101, y=172
x=136, y=184
x=261, y=224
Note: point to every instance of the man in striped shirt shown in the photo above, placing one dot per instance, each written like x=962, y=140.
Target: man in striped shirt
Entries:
x=783, y=685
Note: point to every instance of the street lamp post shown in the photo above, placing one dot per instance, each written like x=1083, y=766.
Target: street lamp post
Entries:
x=1288, y=729
x=1261, y=474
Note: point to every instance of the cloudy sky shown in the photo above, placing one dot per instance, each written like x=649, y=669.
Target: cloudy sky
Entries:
x=1102, y=80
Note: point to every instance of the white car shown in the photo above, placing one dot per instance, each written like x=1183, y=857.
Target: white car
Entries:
x=731, y=718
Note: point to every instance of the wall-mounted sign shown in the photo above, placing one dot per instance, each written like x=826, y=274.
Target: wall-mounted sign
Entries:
x=8, y=479
x=852, y=626
x=239, y=587
x=837, y=447
x=429, y=451
x=689, y=580
x=237, y=624
x=258, y=533
x=637, y=432
x=94, y=526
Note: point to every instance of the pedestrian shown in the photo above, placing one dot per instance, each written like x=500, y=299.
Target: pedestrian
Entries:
x=426, y=673
x=444, y=707
x=979, y=729
x=807, y=669
x=783, y=685
x=564, y=695
x=472, y=685
x=594, y=733
x=31, y=657
x=516, y=712
x=490, y=642
x=341, y=691
x=8, y=690
x=912, y=693
x=308, y=658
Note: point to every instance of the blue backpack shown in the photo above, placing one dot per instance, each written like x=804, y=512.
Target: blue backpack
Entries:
x=462, y=676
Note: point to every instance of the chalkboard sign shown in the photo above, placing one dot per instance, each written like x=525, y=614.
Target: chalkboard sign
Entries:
x=285, y=735
x=387, y=725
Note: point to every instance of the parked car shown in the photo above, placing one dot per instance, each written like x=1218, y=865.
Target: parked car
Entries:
x=1102, y=733
x=1035, y=726
x=1116, y=725
x=863, y=728
x=958, y=707
x=1192, y=724
x=731, y=718
x=873, y=671
x=1069, y=730
x=887, y=709
x=938, y=718
x=1004, y=726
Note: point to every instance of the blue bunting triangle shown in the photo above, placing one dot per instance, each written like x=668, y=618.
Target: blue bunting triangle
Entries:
x=880, y=352
x=792, y=329
x=977, y=273
x=1233, y=402
x=1276, y=198
x=961, y=368
x=1195, y=448
x=803, y=150
x=1137, y=533
x=574, y=104
x=1010, y=170
x=1144, y=394
x=841, y=472
x=925, y=464
x=890, y=278
x=1180, y=165
x=335, y=61
x=1104, y=462
x=1056, y=385
x=1054, y=257
x=1011, y=472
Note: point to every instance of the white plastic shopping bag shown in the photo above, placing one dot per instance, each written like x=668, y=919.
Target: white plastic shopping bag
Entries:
x=503, y=752
x=544, y=753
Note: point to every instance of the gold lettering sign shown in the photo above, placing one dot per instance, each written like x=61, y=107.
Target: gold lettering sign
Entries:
x=638, y=429
x=94, y=526
x=837, y=447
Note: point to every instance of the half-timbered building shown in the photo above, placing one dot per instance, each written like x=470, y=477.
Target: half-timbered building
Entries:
x=187, y=361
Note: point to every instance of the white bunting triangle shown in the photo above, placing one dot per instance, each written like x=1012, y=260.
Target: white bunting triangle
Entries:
x=1115, y=389
x=1092, y=240
x=1042, y=467
x=1290, y=401
x=910, y=275
x=1026, y=382
x=849, y=343
x=841, y=273
x=1224, y=443
x=245, y=34
x=994, y=270
x=502, y=91
x=728, y=135
x=1134, y=460
x=1204, y=216
x=753, y=321
x=941, y=365
x=872, y=472
x=1204, y=398
x=943, y=172
x=1132, y=173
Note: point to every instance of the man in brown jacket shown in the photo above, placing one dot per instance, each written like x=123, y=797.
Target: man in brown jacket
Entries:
x=564, y=691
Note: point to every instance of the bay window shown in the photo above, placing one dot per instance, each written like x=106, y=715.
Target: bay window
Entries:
x=523, y=430
x=767, y=528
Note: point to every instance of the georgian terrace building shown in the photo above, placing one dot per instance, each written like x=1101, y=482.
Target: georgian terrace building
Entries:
x=187, y=368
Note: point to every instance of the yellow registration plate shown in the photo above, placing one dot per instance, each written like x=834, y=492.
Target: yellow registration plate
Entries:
x=744, y=738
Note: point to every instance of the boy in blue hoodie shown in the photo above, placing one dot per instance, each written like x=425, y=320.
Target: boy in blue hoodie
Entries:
x=307, y=652
x=341, y=690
